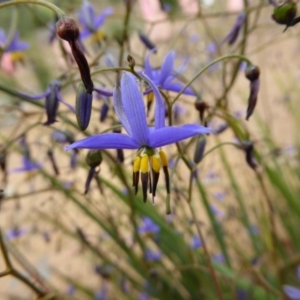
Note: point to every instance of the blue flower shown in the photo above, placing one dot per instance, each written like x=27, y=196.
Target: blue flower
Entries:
x=27, y=166
x=153, y=255
x=165, y=76
x=90, y=22
x=15, y=45
x=148, y=226
x=292, y=292
x=130, y=108
x=15, y=233
x=232, y=36
x=196, y=242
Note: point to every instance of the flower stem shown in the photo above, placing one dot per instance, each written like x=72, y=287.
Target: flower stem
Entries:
x=241, y=57
x=209, y=263
x=49, y=5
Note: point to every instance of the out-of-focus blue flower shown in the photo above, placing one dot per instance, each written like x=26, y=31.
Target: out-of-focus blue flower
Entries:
x=218, y=213
x=165, y=77
x=53, y=91
x=130, y=108
x=219, y=257
x=292, y=292
x=71, y=290
x=90, y=22
x=196, y=242
x=15, y=45
x=62, y=137
x=144, y=296
x=15, y=233
x=27, y=166
x=153, y=255
x=233, y=34
x=148, y=226
x=220, y=196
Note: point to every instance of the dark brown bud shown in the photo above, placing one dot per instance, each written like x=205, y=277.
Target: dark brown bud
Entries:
x=252, y=72
x=67, y=29
x=131, y=61
x=201, y=106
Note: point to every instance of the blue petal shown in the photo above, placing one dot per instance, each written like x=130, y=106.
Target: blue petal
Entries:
x=173, y=134
x=147, y=66
x=101, y=18
x=292, y=292
x=134, y=108
x=105, y=141
x=87, y=16
x=167, y=67
x=119, y=109
x=60, y=99
x=177, y=87
x=103, y=91
x=17, y=45
x=159, y=105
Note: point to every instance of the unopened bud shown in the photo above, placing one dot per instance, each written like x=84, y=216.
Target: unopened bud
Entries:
x=200, y=148
x=146, y=41
x=252, y=72
x=67, y=29
x=285, y=13
x=94, y=158
x=104, y=111
x=201, y=106
x=52, y=103
x=83, y=107
x=131, y=61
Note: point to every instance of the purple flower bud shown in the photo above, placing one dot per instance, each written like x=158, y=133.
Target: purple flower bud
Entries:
x=73, y=160
x=252, y=73
x=3, y=165
x=53, y=161
x=200, y=147
x=83, y=107
x=104, y=111
x=146, y=41
x=234, y=32
x=52, y=103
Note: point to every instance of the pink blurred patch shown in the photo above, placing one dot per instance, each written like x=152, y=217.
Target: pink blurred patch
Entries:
x=152, y=12
x=7, y=63
x=189, y=7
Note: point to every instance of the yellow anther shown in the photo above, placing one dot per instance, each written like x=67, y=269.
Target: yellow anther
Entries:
x=155, y=163
x=98, y=36
x=17, y=56
x=163, y=158
x=144, y=164
x=150, y=97
x=137, y=164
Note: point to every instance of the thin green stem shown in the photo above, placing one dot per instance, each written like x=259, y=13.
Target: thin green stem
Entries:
x=49, y=5
x=208, y=258
x=241, y=57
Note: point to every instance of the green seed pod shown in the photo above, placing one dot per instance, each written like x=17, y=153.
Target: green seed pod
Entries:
x=94, y=158
x=285, y=12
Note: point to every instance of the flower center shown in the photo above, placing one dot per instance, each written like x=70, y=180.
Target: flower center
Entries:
x=148, y=162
